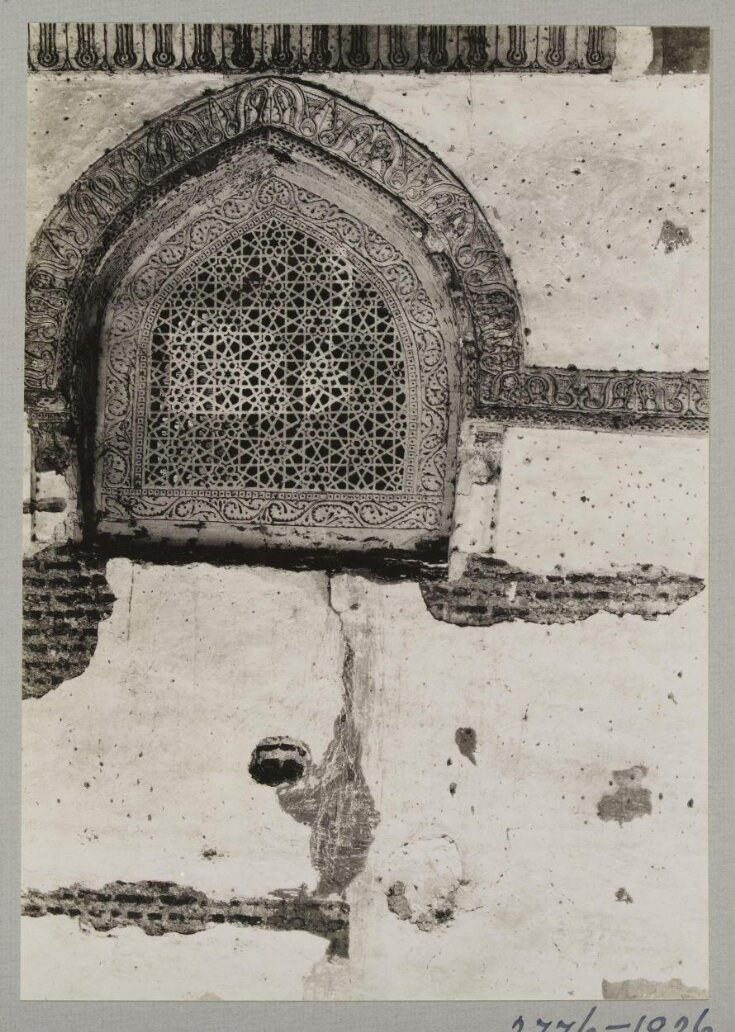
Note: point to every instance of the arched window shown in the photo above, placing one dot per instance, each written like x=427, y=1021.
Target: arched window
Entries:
x=275, y=365
x=260, y=320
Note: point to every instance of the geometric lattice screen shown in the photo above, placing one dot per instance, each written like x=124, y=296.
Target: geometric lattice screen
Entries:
x=276, y=365
x=274, y=370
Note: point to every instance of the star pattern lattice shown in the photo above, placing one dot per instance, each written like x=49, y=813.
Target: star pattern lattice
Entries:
x=276, y=365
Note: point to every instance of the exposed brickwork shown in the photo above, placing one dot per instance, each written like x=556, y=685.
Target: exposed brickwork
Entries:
x=491, y=591
x=160, y=907
x=65, y=596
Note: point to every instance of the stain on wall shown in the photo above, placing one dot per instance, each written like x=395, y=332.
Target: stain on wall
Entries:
x=673, y=236
x=65, y=596
x=492, y=591
x=643, y=989
x=623, y=896
x=466, y=740
x=629, y=800
x=333, y=797
x=680, y=48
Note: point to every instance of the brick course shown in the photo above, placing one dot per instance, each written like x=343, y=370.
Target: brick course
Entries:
x=492, y=591
x=65, y=596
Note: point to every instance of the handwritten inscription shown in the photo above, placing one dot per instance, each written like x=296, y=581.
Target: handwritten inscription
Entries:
x=645, y=1023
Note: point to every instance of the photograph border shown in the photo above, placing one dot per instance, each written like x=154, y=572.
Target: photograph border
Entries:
x=490, y=1016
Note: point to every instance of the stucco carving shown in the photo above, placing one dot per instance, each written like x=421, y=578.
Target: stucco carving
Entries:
x=360, y=139
x=116, y=47
x=662, y=402
x=394, y=472
x=365, y=145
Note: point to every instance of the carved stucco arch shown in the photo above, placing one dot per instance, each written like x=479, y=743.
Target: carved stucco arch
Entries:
x=63, y=299
x=68, y=245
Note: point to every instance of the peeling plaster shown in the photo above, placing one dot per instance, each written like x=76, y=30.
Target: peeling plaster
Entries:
x=425, y=876
x=65, y=597
x=333, y=796
x=250, y=650
x=160, y=907
x=491, y=591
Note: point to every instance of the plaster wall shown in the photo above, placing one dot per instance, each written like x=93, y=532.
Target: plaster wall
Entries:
x=138, y=767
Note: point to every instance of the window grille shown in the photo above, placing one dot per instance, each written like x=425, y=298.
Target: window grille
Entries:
x=275, y=364
x=272, y=361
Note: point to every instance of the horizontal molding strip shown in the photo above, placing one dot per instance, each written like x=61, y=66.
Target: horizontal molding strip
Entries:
x=586, y=399
x=598, y=399
x=125, y=47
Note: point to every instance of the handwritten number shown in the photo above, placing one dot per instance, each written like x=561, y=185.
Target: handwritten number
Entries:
x=584, y=1027
x=657, y=1024
x=699, y=1027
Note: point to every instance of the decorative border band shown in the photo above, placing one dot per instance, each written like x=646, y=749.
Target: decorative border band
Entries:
x=283, y=49
x=662, y=402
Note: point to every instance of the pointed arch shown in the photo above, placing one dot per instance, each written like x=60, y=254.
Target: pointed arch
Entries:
x=190, y=184
x=74, y=235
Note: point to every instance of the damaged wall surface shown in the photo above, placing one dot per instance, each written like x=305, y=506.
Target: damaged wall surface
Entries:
x=477, y=774
x=152, y=745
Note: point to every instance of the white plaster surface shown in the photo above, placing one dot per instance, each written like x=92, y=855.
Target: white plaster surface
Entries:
x=576, y=173
x=198, y=663
x=62, y=960
x=590, y=501
x=633, y=51
x=556, y=710
x=133, y=769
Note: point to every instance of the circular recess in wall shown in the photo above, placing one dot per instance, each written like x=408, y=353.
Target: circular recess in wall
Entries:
x=279, y=760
